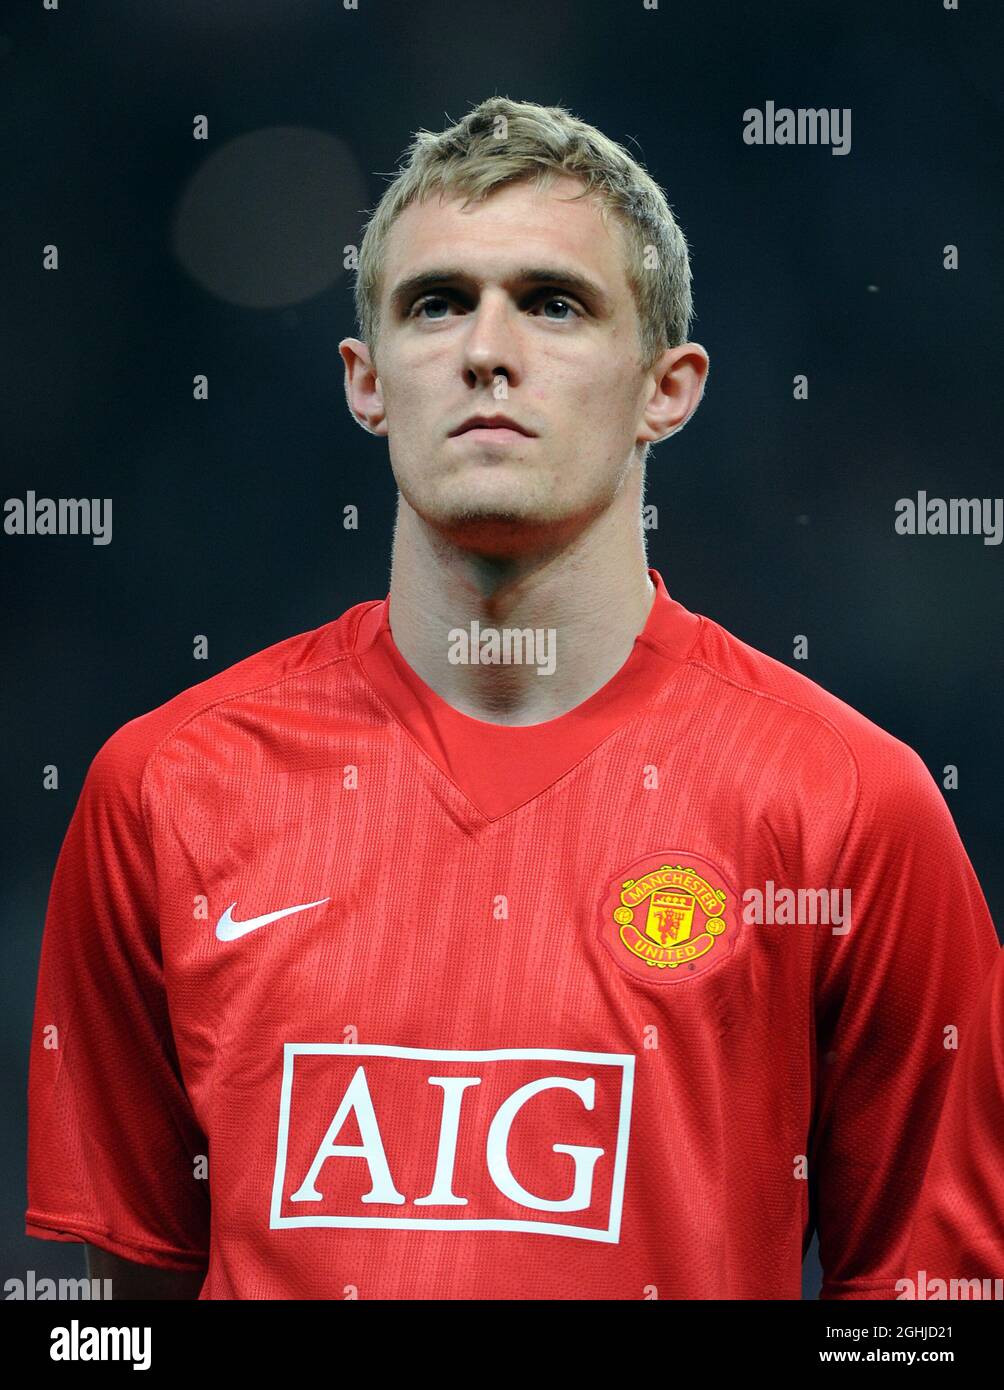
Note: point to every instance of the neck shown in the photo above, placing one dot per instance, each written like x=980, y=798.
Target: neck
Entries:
x=584, y=602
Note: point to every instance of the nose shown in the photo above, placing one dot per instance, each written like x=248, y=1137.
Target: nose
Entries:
x=492, y=345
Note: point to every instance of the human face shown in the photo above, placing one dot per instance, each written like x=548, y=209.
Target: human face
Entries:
x=520, y=306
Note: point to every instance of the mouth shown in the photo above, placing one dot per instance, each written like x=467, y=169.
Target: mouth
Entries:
x=495, y=436
x=498, y=428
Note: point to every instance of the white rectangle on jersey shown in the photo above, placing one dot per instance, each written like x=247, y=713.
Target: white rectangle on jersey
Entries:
x=619, y=1070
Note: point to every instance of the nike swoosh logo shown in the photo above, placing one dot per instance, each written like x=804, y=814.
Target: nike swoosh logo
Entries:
x=229, y=930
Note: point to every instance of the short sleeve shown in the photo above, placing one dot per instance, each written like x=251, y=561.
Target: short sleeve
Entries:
x=959, y=1225
x=887, y=995
x=112, y=1140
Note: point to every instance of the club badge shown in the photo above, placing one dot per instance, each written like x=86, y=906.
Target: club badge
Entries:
x=668, y=917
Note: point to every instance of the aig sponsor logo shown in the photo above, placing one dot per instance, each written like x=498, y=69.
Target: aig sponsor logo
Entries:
x=517, y=1139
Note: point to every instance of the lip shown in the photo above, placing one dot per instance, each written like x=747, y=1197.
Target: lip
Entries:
x=486, y=425
x=493, y=436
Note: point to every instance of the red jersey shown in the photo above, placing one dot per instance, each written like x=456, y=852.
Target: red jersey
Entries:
x=344, y=993
x=959, y=1225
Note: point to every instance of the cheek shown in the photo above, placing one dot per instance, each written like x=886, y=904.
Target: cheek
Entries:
x=405, y=403
x=604, y=405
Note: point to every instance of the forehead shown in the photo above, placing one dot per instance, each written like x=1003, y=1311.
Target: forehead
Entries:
x=515, y=225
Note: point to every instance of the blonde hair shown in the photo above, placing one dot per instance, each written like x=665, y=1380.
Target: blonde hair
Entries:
x=502, y=142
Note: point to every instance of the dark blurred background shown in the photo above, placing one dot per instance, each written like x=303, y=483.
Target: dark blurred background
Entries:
x=225, y=257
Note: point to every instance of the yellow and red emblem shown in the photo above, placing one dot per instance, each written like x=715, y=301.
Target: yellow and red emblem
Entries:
x=668, y=916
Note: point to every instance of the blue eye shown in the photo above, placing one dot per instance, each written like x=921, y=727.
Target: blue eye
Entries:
x=544, y=297
x=424, y=302
x=558, y=299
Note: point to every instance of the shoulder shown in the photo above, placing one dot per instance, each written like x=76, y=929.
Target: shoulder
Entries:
x=816, y=723
x=203, y=710
x=823, y=774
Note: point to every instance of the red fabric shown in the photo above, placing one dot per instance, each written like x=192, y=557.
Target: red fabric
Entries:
x=959, y=1226
x=461, y=1019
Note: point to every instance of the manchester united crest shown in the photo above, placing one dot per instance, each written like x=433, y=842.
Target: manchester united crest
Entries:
x=669, y=916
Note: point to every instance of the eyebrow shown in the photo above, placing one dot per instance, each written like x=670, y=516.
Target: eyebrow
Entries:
x=558, y=276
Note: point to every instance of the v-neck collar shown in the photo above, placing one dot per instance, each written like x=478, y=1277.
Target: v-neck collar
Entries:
x=499, y=767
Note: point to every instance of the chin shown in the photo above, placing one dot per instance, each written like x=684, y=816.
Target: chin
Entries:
x=492, y=530
x=483, y=500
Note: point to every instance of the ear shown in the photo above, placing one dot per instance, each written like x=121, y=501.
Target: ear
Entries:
x=363, y=393
x=677, y=388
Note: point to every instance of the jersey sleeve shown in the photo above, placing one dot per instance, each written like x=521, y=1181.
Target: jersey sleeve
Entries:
x=112, y=1140
x=888, y=994
x=959, y=1224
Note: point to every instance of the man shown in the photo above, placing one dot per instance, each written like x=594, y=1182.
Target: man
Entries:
x=435, y=928
x=957, y=1241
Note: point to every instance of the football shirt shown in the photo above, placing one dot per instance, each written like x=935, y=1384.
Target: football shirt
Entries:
x=344, y=993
